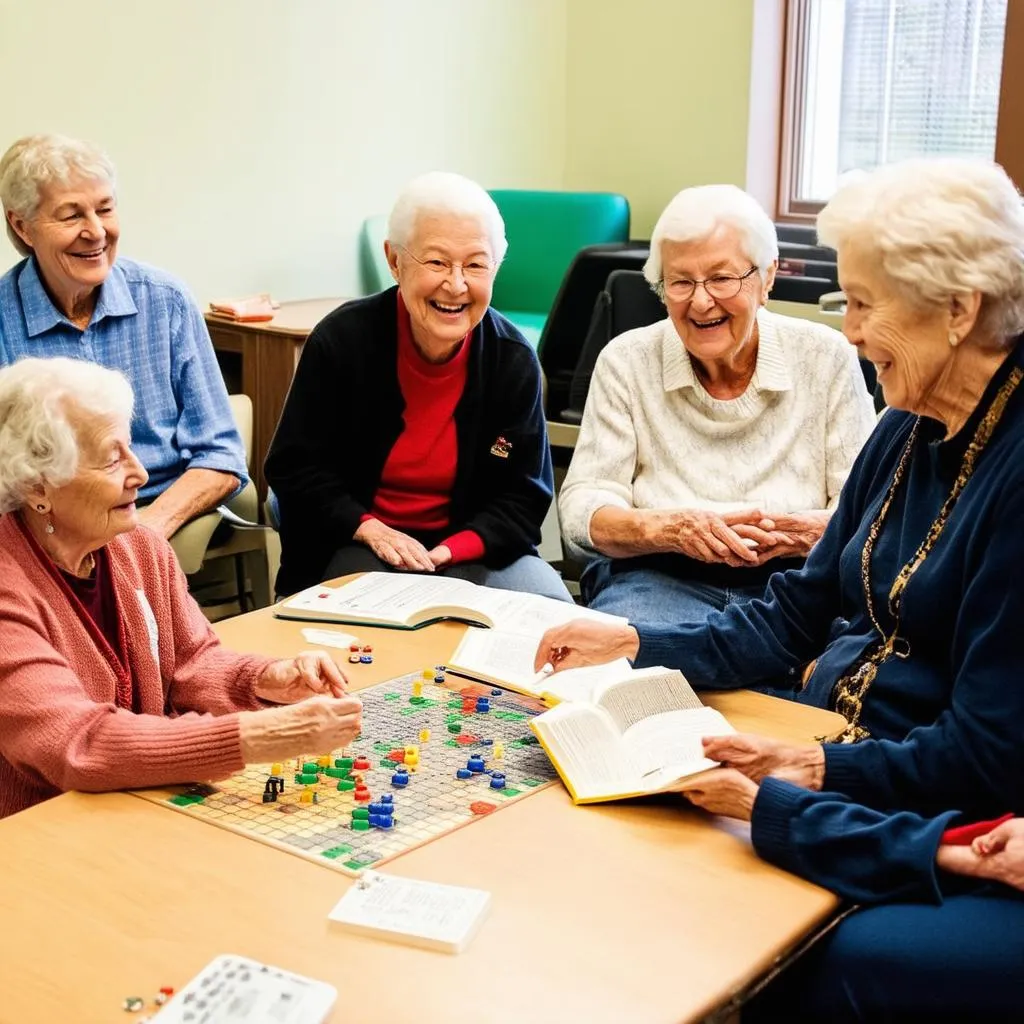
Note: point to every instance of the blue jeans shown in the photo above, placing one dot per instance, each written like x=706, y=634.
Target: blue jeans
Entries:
x=649, y=597
x=529, y=573
x=961, y=961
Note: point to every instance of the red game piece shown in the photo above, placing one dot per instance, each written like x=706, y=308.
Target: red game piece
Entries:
x=354, y=648
x=464, y=739
x=362, y=795
x=367, y=649
x=396, y=755
x=482, y=807
x=361, y=764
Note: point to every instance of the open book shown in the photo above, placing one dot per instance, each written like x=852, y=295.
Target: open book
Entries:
x=401, y=601
x=637, y=736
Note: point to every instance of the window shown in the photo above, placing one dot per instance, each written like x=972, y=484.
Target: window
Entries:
x=873, y=81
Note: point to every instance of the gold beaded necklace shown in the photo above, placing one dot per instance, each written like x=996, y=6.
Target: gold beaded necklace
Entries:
x=850, y=689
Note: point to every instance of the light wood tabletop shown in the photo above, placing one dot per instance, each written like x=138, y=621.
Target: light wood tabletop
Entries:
x=646, y=911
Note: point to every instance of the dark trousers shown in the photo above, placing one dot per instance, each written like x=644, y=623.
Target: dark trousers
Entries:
x=961, y=961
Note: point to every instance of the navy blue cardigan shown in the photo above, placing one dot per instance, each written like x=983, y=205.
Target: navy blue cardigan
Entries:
x=344, y=413
x=947, y=723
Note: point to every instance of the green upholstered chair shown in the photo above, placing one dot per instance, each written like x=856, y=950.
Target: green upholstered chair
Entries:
x=545, y=230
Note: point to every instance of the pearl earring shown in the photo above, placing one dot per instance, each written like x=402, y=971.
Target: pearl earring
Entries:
x=953, y=339
x=49, y=527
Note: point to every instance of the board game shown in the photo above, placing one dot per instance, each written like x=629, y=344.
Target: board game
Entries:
x=436, y=753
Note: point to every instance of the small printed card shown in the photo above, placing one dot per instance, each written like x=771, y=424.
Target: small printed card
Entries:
x=329, y=638
x=428, y=914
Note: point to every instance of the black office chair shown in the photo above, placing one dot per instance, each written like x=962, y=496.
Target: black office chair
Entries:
x=565, y=331
x=626, y=302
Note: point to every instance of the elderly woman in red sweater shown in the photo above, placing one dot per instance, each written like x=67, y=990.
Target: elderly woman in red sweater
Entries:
x=110, y=676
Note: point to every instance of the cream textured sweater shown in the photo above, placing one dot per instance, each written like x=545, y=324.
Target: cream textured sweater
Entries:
x=653, y=438
x=59, y=726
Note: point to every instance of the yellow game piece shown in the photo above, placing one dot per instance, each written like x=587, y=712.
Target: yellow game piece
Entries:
x=411, y=760
x=417, y=688
x=276, y=769
x=324, y=761
x=424, y=735
x=306, y=796
x=412, y=750
x=499, y=749
x=428, y=674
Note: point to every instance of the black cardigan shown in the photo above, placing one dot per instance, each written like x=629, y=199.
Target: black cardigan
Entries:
x=343, y=415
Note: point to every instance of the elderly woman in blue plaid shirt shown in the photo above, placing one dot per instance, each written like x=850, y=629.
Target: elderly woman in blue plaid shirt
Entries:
x=73, y=296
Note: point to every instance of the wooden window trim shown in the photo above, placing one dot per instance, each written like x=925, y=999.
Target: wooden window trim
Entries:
x=1009, y=121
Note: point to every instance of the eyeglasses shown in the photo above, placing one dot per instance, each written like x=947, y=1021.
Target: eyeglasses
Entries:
x=718, y=286
x=478, y=267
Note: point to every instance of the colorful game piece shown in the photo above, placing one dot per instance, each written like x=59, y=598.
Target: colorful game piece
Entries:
x=428, y=673
x=307, y=778
x=344, y=762
x=134, y=1003
x=476, y=764
x=486, y=741
x=417, y=688
x=366, y=659
x=323, y=761
x=367, y=649
x=273, y=786
x=483, y=705
x=398, y=756
x=463, y=773
x=400, y=778
x=346, y=785
x=307, y=796
x=495, y=692
x=439, y=677
x=465, y=739
x=362, y=795
x=424, y=735
x=277, y=768
x=482, y=807
x=355, y=658
x=499, y=749
x=354, y=648
x=360, y=764
x=388, y=798
x=497, y=780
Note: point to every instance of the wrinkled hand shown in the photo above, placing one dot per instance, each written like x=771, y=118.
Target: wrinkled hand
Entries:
x=758, y=756
x=151, y=516
x=997, y=856
x=721, y=791
x=311, y=726
x=308, y=674
x=795, y=534
x=397, y=549
x=732, y=538
x=441, y=555
x=583, y=642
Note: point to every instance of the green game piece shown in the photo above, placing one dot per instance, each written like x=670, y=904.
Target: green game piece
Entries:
x=346, y=785
x=530, y=782
x=360, y=825
x=450, y=743
x=335, y=852
x=186, y=799
x=360, y=812
x=343, y=762
x=336, y=773
x=455, y=727
x=388, y=764
x=516, y=743
x=392, y=696
x=530, y=741
x=307, y=780
x=417, y=700
x=506, y=792
x=310, y=768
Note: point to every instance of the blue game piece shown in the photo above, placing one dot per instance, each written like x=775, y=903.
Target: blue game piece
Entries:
x=366, y=659
x=486, y=743
x=497, y=780
x=439, y=678
x=400, y=779
x=381, y=820
x=476, y=764
x=483, y=705
x=463, y=773
x=387, y=798
x=495, y=693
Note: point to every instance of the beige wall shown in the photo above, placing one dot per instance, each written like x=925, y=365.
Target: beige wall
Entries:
x=253, y=136
x=658, y=97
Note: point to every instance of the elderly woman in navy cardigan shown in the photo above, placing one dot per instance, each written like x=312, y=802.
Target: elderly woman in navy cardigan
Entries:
x=921, y=564
x=413, y=438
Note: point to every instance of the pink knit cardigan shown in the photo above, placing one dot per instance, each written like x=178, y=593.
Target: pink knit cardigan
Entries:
x=59, y=726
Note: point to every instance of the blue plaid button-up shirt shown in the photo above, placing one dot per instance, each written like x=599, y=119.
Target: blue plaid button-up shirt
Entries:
x=146, y=325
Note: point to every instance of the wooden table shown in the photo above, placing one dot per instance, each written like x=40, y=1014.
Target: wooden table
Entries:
x=639, y=912
x=260, y=359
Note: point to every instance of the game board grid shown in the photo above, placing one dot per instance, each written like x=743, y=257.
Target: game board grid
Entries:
x=433, y=805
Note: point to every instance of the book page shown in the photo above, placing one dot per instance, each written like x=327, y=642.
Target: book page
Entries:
x=646, y=693
x=585, y=748
x=532, y=615
x=672, y=741
x=387, y=597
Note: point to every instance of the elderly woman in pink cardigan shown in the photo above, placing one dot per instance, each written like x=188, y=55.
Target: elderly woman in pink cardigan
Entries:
x=110, y=676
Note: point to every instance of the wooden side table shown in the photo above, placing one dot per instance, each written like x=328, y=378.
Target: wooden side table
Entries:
x=259, y=360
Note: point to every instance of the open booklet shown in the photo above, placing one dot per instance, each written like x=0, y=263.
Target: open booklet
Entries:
x=636, y=736
x=401, y=601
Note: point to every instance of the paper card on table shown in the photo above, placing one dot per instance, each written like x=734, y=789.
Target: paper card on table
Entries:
x=328, y=637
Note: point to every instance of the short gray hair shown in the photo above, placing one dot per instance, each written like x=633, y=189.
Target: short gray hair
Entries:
x=38, y=160
x=38, y=444
x=696, y=213
x=441, y=192
x=939, y=228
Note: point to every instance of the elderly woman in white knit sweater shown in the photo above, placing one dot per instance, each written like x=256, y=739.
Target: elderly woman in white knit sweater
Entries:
x=714, y=443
